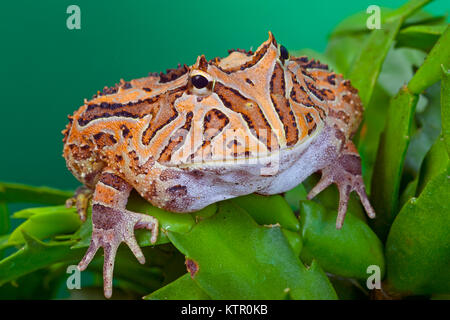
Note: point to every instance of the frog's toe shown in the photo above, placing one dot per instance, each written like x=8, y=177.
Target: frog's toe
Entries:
x=149, y=223
x=81, y=201
x=361, y=191
x=323, y=183
x=109, y=240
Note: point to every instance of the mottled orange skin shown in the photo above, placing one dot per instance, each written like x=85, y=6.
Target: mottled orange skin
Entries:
x=263, y=123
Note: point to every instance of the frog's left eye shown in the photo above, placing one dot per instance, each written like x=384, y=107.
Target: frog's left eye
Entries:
x=284, y=53
x=199, y=81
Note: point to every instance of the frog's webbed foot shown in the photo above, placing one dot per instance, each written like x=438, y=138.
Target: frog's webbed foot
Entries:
x=345, y=172
x=112, y=224
x=81, y=200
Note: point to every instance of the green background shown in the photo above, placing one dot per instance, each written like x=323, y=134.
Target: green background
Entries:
x=47, y=70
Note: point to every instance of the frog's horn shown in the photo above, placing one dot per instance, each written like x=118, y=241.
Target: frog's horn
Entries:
x=201, y=63
x=265, y=46
x=272, y=39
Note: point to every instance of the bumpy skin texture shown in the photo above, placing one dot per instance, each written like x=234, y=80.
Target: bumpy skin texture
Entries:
x=263, y=123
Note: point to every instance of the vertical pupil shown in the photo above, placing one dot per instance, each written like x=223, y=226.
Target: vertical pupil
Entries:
x=199, y=81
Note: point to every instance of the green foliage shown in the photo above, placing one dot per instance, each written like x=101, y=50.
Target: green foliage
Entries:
x=391, y=156
x=279, y=247
x=346, y=252
x=418, y=246
x=246, y=253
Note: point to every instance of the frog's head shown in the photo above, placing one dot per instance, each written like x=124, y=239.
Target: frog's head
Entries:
x=241, y=74
x=244, y=82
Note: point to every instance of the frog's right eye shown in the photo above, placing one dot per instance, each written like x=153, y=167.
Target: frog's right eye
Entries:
x=284, y=53
x=199, y=81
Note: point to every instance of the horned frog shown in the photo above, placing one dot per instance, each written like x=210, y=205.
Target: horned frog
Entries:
x=258, y=122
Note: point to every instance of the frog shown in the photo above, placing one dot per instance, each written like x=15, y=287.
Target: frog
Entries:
x=252, y=122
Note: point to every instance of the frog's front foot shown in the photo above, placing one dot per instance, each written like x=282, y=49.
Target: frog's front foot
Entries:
x=113, y=224
x=345, y=172
x=81, y=201
x=111, y=227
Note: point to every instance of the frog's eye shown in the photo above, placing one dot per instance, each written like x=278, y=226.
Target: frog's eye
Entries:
x=199, y=81
x=284, y=53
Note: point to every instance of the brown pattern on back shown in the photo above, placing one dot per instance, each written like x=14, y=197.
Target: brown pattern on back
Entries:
x=177, y=139
x=250, y=112
x=282, y=106
x=163, y=117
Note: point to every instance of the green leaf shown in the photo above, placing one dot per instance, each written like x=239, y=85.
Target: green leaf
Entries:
x=429, y=128
x=294, y=196
x=294, y=239
x=445, y=106
x=390, y=159
x=36, y=255
x=83, y=235
x=29, y=212
x=348, y=289
x=204, y=213
x=418, y=245
x=430, y=71
x=184, y=288
x=4, y=215
x=269, y=210
x=341, y=51
x=39, y=285
x=4, y=218
x=409, y=192
x=46, y=223
x=4, y=242
x=409, y=9
x=367, y=65
x=398, y=67
x=346, y=252
x=371, y=129
x=231, y=257
x=435, y=162
x=421, y=37
x=12, y=192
